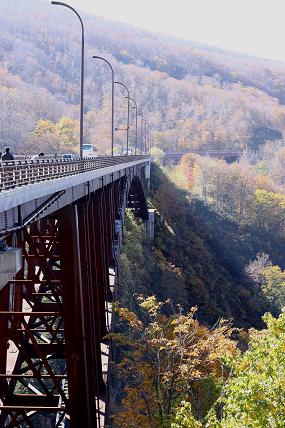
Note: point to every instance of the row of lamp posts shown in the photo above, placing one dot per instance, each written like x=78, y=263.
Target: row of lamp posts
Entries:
x=145, y=127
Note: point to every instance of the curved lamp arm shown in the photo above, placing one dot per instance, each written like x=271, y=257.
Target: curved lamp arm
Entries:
x=59, y=3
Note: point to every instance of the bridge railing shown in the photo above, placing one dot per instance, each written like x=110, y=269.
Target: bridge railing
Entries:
x=19, y=173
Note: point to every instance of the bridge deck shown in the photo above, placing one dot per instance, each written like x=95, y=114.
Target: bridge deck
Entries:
x=22, y=181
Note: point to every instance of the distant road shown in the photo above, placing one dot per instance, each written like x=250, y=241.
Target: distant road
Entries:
x=174, y=157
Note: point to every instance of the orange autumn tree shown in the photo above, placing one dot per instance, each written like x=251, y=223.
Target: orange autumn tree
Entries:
x=168, y=358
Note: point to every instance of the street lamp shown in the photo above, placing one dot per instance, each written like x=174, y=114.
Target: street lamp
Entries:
x=148, y=138
x=145, y=135
x=136, y=107
x=128, y=119
x=112, y=114
x=58, y=3
x=141, y=136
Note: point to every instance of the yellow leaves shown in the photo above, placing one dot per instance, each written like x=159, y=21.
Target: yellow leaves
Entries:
x=171, y=356
x=269, y=199
x=150, y=304
x=264, y=182
x=44, y=126
x=274, y=273
x=130, y=317
x=137, y=409
x=273, y=285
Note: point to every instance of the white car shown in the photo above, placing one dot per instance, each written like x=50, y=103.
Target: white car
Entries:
x=128, y=152
x=89, y=151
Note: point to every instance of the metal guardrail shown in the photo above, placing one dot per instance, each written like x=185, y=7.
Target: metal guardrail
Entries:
x=19, y=173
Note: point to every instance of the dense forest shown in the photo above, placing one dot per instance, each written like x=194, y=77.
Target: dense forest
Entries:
x=217, y=227
x=194, y=96
x=194, y=348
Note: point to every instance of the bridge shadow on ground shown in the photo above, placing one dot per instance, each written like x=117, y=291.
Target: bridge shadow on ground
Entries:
x=200, y=257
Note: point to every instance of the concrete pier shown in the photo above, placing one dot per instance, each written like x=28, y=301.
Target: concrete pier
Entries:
x=150, y=224
x=10, y=264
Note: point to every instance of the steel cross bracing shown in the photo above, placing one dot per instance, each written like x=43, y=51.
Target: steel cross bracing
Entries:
x=32, y=319
x=55, y=313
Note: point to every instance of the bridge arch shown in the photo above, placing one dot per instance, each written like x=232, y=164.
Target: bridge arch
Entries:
x=137, y=199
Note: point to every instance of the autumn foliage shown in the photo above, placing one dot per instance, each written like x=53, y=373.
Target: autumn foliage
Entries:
x=193, y=95
x=168, y=357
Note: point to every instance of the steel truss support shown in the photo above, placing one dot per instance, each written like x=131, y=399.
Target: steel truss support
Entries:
x=136, y=200
x=87, y=231
x=55, y=314
x=32, y=335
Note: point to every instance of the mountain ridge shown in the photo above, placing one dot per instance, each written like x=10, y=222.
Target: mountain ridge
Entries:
x=191, y=97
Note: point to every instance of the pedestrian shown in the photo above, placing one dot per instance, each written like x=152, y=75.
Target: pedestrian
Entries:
x=39, y=156
x=7, y=155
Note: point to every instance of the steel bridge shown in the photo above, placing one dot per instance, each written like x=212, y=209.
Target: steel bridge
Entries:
x=175, y=157
x=63, y=221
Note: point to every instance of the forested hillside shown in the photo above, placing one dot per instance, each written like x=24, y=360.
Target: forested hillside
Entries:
x=200, y=255
x=192, y=95
x=186, y=355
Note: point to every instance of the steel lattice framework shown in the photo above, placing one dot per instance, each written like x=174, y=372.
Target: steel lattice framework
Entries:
x=55, y=313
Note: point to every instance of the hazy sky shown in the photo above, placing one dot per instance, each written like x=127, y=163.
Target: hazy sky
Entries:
x=256, y=27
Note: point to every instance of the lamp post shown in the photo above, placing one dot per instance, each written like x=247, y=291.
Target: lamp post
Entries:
x=141, y=133
x=128, y=118
x=58, y=3
x=136, y=107
x=149, y=139
x=147, y=129
x=112, y=113
x=145, y=136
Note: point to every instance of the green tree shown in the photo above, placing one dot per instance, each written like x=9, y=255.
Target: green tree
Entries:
x=273, y=286
x=254, y=395
x=270, y=210
x=184, y=417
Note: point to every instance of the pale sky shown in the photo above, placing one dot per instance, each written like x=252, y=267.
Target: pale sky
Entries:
x=256, y=27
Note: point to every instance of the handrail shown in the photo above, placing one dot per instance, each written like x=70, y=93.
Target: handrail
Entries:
x=19, y=173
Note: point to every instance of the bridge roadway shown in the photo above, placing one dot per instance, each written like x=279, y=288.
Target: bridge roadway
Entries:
x=63, y=220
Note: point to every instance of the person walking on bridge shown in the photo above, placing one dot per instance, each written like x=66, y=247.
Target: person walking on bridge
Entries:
x=7, y=155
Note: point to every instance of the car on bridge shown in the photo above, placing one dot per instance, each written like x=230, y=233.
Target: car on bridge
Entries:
x=126, y=152
x=89, y=151
x=69, y=156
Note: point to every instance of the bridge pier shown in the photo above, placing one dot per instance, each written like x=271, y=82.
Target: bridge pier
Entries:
x=76, y=316
x=10, y=264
